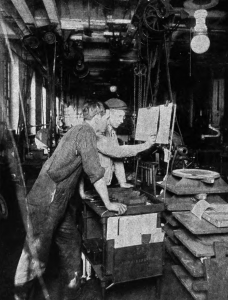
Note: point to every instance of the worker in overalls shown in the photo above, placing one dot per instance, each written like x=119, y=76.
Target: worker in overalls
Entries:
x=49, y=214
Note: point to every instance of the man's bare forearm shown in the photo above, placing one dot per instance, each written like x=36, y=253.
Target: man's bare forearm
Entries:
x=102, y=190
x=107, y=147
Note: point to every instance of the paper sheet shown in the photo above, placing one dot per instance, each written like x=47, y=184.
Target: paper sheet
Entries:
x=164, y=124
x=112, y=228
x=147, y=123
x=128, y=230
x=157, y=236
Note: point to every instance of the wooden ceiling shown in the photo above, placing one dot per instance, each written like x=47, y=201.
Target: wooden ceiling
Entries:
x=101, y=26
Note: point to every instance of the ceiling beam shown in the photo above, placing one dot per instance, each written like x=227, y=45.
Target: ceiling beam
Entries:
x=6, y=29
x=99, y=24
x=97, y=54
x=52, y=12
x=24, y=12
x=10, y=14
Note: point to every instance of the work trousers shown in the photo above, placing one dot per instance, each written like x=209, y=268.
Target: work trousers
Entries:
x=55, y=222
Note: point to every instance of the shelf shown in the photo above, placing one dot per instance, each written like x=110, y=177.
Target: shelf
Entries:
x=193, y=244
x=187, y=281
x=193, y=265
x=196, y=225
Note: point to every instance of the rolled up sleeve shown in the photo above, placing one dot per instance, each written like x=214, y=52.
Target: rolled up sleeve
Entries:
x=87, y=147
x=106, y=146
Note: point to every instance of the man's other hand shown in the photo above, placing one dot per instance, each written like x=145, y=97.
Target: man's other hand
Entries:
x=151, y=140
x=118, y=207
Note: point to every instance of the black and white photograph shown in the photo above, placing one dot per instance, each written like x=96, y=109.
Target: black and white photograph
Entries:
x=113, y=150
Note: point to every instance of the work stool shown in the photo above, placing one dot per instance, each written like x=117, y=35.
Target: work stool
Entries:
x=146, y=172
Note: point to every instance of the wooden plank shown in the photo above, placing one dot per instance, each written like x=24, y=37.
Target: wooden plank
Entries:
x=187, y=281
x=201, y=245
x=186, y=202
x=218, y=219
x=177, y=204
x=197, y=226
x=212, y=238
x=192, y=264
x=24, y=11
x=52, y=12
x=8, y=10
x=193, y=244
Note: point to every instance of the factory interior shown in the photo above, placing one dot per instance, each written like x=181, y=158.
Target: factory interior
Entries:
x=167, y=61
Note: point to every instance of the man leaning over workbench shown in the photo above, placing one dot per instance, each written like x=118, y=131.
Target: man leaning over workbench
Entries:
x=49, y=213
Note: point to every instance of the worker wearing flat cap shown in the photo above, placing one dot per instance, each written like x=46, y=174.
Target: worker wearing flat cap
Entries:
x=117, y=110
x=109, y=150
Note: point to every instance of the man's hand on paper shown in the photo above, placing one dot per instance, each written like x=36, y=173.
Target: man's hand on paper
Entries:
x=118, y=207
x=151, y=140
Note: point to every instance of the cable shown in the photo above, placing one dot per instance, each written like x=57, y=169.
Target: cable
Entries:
x=167, y=71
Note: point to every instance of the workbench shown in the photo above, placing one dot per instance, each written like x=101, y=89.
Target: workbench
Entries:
x=120, y=256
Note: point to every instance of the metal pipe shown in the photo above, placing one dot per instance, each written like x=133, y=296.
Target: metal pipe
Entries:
x=203, y=136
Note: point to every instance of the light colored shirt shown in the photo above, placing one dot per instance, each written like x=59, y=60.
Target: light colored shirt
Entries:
x=111, y=153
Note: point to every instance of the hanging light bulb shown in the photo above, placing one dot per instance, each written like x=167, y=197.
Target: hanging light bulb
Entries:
x=113, y=88
x=200, y=42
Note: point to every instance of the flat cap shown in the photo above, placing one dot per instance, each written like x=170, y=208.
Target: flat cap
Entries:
x=115, y=103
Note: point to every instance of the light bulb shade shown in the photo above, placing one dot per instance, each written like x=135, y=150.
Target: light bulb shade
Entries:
x=200, y=43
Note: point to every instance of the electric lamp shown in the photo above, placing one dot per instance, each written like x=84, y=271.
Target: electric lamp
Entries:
x=200, y=42
x=113, y=88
